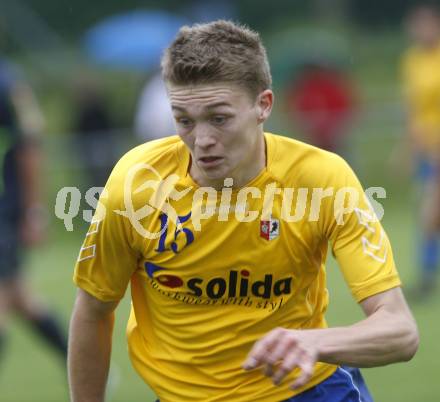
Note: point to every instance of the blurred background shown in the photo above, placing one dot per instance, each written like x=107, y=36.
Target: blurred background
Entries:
x=93, y=69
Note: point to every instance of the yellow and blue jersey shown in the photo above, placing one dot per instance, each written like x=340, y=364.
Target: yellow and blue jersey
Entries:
x=208, y=281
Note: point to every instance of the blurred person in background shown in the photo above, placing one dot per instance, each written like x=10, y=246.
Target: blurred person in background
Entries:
x=321, y=102
x=93, y=129
x=154, y=118
x=421, y=80
x=22, y=216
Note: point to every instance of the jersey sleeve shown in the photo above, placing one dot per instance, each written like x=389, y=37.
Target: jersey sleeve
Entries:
x=358, y=240
x=108, y=257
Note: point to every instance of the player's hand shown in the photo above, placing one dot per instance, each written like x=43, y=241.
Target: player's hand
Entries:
x=281, y=351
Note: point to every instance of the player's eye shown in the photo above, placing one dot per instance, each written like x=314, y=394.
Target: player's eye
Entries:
x=218, y=120
x=184, y=122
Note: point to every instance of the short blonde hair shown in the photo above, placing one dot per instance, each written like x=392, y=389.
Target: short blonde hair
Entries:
x=219, y=51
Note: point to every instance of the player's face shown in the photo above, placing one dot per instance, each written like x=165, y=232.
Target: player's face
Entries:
x=222, y=127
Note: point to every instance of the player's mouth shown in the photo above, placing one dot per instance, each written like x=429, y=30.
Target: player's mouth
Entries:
x=210, y=161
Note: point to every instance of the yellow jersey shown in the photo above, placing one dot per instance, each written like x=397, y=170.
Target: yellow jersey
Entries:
x=421, y=79
x=213, y=271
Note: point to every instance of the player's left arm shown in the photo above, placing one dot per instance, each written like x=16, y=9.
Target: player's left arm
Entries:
x=387, y=335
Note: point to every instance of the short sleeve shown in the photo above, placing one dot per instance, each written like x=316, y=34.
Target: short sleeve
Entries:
x=358, y=240
x=107, y=258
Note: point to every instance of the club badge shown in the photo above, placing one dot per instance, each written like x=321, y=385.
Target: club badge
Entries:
x=270, y=229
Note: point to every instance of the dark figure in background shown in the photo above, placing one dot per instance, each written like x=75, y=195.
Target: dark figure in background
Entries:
x=22, y=216
x=321, y=102
x=92, y=126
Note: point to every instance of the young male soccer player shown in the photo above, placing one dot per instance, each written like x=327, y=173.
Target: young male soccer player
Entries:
x=225, y=278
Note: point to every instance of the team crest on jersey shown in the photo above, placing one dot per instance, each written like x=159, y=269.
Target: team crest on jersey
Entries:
x=270, y=229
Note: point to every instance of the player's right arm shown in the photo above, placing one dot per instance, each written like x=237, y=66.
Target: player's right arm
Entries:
x=90, y=340
x=106, y=262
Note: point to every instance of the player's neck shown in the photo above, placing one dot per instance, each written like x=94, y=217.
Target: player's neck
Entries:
x=251, y=166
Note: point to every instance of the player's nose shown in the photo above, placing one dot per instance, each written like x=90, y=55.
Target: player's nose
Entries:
x=203, y=138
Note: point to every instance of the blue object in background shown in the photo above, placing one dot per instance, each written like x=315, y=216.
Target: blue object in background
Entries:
x=133, y=40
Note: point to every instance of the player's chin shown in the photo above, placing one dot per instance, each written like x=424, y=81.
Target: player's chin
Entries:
x=214, y=175
x=216, y=172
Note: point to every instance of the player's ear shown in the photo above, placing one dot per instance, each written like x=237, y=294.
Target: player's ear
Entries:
x=264, y=105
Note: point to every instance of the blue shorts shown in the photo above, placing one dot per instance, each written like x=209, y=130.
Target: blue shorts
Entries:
x=426, y=171
x=344, y=385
